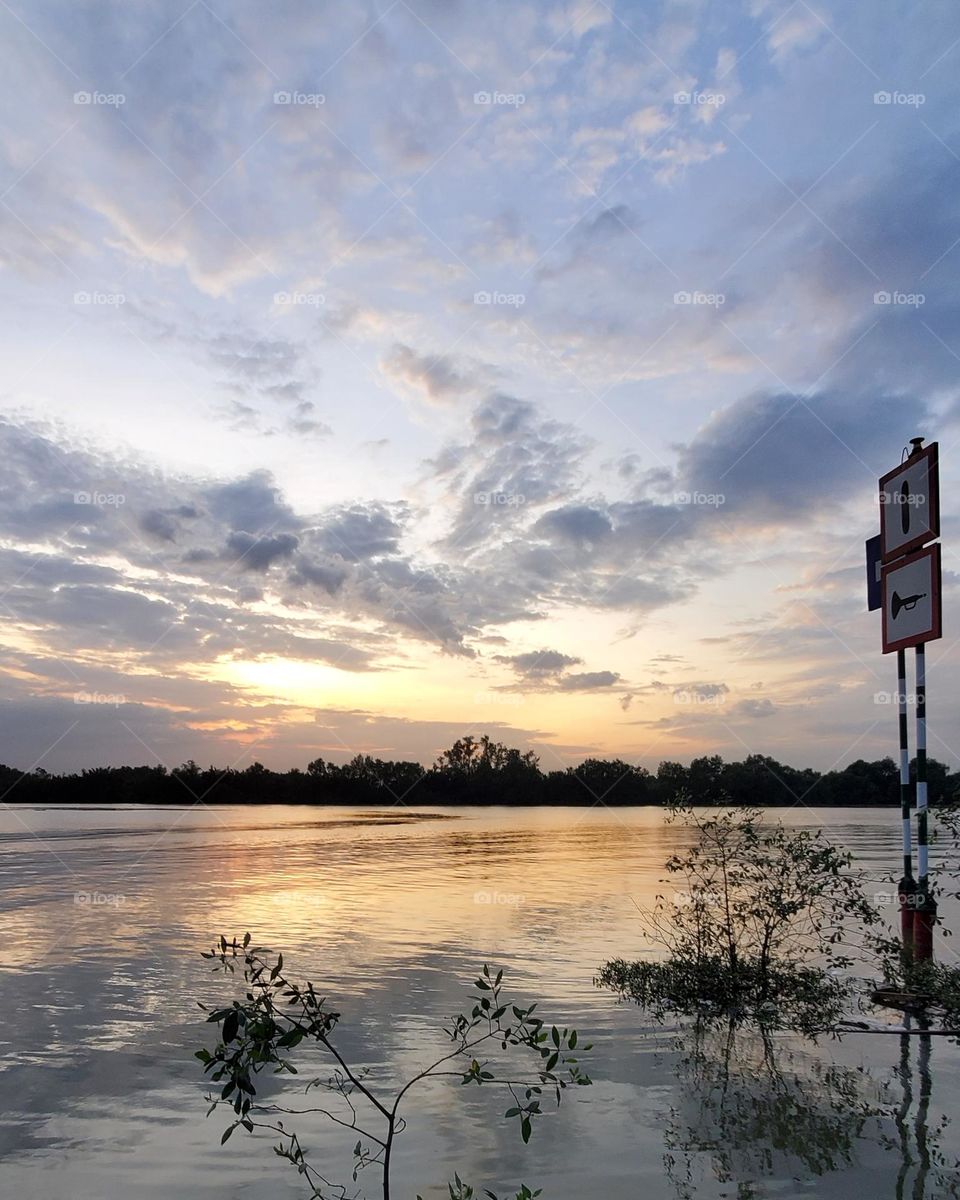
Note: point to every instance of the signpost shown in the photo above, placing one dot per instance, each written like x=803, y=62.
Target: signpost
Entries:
x=909, y=598
x=910, y=503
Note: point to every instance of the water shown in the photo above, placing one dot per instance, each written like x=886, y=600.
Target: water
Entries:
x=391, y=913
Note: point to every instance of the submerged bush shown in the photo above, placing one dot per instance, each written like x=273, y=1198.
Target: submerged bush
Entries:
x=757, y=916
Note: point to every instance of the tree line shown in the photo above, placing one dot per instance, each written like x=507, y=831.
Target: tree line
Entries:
x=481, y=771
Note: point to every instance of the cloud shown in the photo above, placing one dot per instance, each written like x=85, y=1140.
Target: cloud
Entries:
x=358, y=532
x=535, y=664
x=433, y=377
x=701, y=691
x=255, y=552
x=517, y=461
x=588, y=681
x=253, y=504
x=778, y=458
x=548, y=670
x=754, y=708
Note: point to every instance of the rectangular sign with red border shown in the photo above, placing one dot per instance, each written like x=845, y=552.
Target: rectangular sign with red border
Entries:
x=911, y=600
x=910, y=504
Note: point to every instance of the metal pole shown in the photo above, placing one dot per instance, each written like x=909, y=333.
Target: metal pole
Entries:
x=926, y=908
x=908, y=886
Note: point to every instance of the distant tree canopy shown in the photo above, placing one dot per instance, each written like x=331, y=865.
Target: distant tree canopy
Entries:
x=481, y=771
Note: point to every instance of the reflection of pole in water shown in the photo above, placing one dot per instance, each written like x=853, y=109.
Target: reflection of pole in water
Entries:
x=906, y=1087
x=920, y=1130
x=920, y=1125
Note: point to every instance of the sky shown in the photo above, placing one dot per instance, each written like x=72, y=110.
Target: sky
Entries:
x=379, y=374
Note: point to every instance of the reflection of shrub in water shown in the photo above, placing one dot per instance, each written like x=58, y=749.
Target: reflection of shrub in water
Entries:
x=756, y=1108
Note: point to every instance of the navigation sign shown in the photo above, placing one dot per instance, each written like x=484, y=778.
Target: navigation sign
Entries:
x=874, y=591
x=910, y=504
x=911, y=600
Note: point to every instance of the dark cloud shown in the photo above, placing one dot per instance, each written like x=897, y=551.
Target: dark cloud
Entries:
x=782, y=458
x=754, y=708
x=257, y=553
x=535, y=664
x=330, y=578
x=588, y=681
x=577, y=524
x=253, y=504
x=359, y=532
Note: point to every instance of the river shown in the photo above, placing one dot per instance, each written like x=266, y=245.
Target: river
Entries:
x=391, y=913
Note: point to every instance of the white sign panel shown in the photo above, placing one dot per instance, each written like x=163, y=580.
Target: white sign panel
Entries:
x=911, y=600
x=910, y=504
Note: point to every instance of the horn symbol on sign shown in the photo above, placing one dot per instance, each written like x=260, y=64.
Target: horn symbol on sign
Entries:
x=908, y=603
